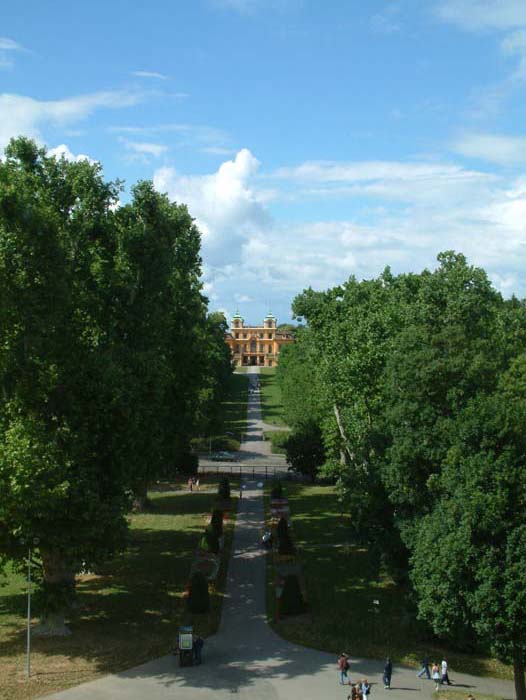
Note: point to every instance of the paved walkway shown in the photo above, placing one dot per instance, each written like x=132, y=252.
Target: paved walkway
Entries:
x=246, y=659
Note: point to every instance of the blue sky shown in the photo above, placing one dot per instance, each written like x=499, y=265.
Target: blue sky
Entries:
x=311, y=140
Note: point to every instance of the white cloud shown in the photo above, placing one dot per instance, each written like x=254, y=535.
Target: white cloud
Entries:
x=7, y=47
x=483, y=14
x=422, y=208
x=146, y=148
x=224, y=203
x=21, y=115
x=199, y=136
x=63, y=151
x=149, y=74
x=494, y=148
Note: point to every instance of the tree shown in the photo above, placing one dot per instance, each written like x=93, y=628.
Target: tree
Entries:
x=305, y=450
x=59, y=479
x=469, y=559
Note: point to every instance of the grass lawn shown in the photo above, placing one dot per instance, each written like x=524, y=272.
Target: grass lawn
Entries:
x=233, y=418
x=277, y=439
x=342, y=583
x=271, y=405
x=129, y=611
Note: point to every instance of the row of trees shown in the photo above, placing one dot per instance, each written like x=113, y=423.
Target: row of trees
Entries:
x=412, y=388
x=109, y=362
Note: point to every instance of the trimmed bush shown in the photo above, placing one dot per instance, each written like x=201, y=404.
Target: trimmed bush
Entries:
x=285, y=544
x=199, y=597
x=292, y=602
x=276, y=490
x=210, y=541
x=216, y=522
x=187, y=464
x=282, y=528
x=223, y=490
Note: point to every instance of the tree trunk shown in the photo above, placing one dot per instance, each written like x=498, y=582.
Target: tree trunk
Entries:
x=140, y=497
x=57, y=574
x=342, y=432
x=518, y=675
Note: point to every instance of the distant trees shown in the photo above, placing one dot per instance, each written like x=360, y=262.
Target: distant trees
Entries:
x=416, y=386
x=108, y=360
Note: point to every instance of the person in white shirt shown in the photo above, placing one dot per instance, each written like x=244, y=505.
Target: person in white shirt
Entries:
x=445, y=677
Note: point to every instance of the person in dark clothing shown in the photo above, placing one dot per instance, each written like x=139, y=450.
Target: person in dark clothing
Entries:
x=388, y=672
x=197, y=649
x=424, y=668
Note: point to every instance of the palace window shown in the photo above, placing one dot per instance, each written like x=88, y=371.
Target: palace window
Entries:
x=269, y=336
x=237, y=335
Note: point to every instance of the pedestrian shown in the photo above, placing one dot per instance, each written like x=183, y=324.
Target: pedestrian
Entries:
x=190, y=483
x=445, y=676
x=197, y=484
x=343, y=667
x=388, y=672
x=435, y=674
x=424, y=668
x=197, y=648
x=354, y=693
x=366, y=688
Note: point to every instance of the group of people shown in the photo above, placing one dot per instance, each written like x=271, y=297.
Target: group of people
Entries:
x=438, y=673
x=359, y=690
x=362, y=688
x=193, y=483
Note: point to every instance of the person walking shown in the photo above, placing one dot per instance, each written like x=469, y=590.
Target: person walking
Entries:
x=366, y=688
x=424, y=668
x=445, y=676
x=197, y=649
x=343, y=667
x=388, y=672
x=435, y=674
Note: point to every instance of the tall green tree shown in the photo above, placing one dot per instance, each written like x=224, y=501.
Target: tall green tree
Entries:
x=59, y=480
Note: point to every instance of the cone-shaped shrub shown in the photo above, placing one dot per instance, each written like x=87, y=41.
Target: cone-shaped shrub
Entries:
x=212, y=540
x=216, y=521
x=285, y=544
x=282, y=528
x=277, y=490
x=292, y=602
x=223, y=490
x=199, y=597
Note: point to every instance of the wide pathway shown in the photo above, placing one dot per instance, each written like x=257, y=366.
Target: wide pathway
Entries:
x=246, y=659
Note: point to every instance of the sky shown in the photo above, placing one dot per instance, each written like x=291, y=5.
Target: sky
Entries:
x=310, y=140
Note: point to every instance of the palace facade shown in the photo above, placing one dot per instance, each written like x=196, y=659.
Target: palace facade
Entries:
x=256, y=345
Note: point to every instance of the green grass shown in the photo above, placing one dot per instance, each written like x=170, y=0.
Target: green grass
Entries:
x=277, y=440
x=233, y=418
x=342, y=583
x=271, y=405
x=129, y=611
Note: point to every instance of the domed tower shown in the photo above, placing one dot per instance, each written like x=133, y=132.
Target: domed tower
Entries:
x=270, y=321
x=237, y=320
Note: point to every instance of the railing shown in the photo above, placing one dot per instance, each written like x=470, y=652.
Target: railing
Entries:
x=264, y=472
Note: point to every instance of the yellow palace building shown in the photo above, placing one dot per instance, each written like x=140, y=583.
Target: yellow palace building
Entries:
x=256, y=345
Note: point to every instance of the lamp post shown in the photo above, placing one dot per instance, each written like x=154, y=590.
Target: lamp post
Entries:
x=35, y=541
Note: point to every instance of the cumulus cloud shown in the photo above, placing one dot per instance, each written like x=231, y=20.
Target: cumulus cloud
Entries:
x=404, y=214
x=225, y=205
x=21, y=115
x=63, y=151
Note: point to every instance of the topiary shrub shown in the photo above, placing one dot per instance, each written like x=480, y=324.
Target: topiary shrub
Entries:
x=188, y=464
x=276, y=490
x=285, y=544
x=199, y=597
x=223, y=490
x=216, y=522
x=292, y=602
x=210, y=541
x=282, y=528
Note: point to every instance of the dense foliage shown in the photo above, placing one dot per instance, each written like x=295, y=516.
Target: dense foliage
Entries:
x=416, y=387
x=109, y=363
